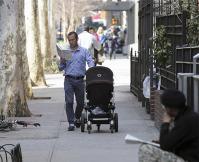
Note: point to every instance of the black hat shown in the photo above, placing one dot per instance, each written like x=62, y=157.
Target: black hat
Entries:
x=173, y=98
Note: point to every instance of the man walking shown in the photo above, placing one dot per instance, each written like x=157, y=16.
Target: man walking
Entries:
x=74, y=72
x=89, y=41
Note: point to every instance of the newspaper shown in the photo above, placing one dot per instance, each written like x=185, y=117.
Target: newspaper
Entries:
x=63, y=51
x=134, y=140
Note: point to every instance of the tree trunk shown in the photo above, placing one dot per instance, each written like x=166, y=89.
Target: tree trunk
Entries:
x=44, y=33
x=12, y=51
x=52, y=8
x=64, y=20
x=72, y=18
x=33, y=45
x=22, y=49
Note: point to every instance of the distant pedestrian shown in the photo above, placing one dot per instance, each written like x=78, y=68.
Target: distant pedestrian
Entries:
x=101, y=35
x=93, y=32
x=112, y=39
x=74, y=72
x=89, y=41
x=96, y=52
x=179, y=133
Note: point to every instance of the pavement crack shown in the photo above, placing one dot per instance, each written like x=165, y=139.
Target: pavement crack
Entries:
x=51, y=152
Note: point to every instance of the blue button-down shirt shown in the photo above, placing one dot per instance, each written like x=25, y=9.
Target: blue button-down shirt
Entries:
x=76, y=66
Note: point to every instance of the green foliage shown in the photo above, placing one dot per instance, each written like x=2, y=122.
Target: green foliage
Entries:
x=193, y=29
x=161, y=47
x=191, y=7
x=188, y=5
x=193, y=32
x=52, y=67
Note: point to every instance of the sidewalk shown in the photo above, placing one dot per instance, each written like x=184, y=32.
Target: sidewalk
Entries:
x=52, y=142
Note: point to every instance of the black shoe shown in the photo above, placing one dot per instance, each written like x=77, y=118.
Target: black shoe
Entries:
x=71, y=128
x=77, y=123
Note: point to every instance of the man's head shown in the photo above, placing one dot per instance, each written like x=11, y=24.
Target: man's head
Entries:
x=91, y=30
x=72, y=39
x=173, y=101
x=86, y=28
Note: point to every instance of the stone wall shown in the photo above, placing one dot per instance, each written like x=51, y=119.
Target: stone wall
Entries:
x=152, y=103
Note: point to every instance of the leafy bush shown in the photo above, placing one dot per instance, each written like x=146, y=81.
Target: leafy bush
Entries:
x=161, y=47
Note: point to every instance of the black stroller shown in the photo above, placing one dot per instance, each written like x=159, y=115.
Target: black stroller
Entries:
x=99, y=92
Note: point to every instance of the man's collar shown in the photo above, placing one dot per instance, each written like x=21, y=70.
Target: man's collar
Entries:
x=73, y=50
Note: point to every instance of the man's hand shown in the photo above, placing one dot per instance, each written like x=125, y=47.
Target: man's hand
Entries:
x=166, y=118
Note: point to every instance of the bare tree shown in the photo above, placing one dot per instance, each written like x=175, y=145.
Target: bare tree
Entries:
x=12, y=54
x=33, y=45
x=44, y=33
x=52, y=8
x=72, y=11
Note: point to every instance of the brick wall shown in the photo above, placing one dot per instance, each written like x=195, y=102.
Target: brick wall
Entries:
x=152, y=103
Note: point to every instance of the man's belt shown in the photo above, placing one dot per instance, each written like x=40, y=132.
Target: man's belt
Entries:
x=74, y=77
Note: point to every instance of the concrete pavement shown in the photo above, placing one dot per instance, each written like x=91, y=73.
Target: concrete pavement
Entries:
x=53, y=143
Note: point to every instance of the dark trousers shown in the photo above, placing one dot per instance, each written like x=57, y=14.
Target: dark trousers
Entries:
x=74, y=87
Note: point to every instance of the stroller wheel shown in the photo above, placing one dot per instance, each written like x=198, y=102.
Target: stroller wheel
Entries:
x=83, y=118
x=89, y=127
x=115, y=118
x=89, y=131
x=112, y=126
x=98, y=127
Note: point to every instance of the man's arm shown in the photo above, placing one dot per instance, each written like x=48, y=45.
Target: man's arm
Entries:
x=89, y=59
x=170, y=139
x=62, y=64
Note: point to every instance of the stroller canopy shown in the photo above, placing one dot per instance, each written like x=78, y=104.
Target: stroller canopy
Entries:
x=99, y=74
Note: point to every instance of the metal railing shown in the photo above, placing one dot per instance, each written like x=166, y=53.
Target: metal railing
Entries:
x=184, y=86
x=10, y=153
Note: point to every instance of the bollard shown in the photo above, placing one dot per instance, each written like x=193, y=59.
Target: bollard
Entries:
x=195, y=57
x=196, y=93
x=196, y=83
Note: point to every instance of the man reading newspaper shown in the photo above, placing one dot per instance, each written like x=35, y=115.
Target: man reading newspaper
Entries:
x=179, y=133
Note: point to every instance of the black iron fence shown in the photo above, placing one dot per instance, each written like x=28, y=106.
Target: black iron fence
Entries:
x=184, y=59
x=135, y=74
x=175, y=32
x=140, y=64
x=184, y=64
x=154, y=13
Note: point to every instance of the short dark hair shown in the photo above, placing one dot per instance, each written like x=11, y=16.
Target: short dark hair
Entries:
x=173, y=98
x=91, y=28
x=86, y=28
x=73, y=33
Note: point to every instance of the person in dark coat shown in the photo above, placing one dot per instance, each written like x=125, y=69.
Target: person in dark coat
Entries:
x=183, y=138
x=179, y=132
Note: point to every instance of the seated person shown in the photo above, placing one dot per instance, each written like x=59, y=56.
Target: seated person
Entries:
x=179, y=133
